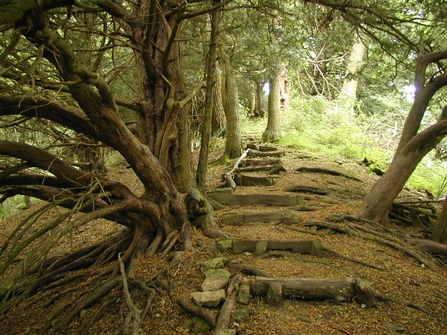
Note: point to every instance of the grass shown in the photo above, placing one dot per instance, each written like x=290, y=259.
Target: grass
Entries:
x=318, y=127
x=12, y=206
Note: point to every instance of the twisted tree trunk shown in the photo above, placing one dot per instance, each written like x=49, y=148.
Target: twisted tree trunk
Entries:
x=413, y=145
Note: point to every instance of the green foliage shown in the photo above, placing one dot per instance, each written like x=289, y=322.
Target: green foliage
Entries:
x=322, y=127
x=430, y=175
x=13, y=205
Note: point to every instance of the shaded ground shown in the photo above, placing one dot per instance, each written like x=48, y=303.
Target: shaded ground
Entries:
x=400, y=277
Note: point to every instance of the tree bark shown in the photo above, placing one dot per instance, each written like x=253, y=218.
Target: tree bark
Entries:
x=284, y=89
x=209, y=99
x=352, y=69
x=259, y=100
x=160, y=158
x=252, y=104
x=164, y=104
x=218, y=121
x=425, y=90
x=413, y=146
x=440, y=230
x=272, y=132
x=233, y=136
x=379, y=200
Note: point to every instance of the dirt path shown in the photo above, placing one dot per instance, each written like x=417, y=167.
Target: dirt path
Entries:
x=394, y=274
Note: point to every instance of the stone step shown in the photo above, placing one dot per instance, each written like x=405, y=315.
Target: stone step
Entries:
x=260, y=247
x=256, y=199
x=239, y=219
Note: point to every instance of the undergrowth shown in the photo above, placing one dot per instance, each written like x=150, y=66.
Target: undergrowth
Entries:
x=322, y=128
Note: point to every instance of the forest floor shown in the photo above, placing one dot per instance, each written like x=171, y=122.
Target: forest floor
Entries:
x=418, y=294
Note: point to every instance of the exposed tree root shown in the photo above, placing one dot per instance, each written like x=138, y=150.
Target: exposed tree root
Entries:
x=307, y=189
x=237, y=267
x=410, y=305
x=350, y=259
x=153, y=247
x=57, y=275
x=325, y=171
x=204, y=313
x=398, y=245
x=223, y=320
x=170, y=241
x=134, y=313
x=304, y=231
x=353, y=230
x=142, y=286
x=88, y=299
x=431, y=247
x=108, y=302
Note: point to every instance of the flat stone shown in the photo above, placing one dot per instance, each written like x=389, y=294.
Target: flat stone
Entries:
x=215, y=279
x=208, y=298
x=243, y=294
x=200, y=325
x=243, y=314
x=212, y=264
x=226, y=332
x=224, y=244
x=398, y=329
x=261, y=248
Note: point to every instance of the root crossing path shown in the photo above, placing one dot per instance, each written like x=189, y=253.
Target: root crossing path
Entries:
x=292, y=260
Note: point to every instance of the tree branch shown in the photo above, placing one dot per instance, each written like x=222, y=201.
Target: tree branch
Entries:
x=69, y=117
x=42, y=159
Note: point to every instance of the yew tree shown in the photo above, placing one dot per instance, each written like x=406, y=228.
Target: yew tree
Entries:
x=410, y=33
x=47, y=85
x=415, y=142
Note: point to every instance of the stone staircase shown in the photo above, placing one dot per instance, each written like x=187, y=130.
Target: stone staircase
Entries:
x=229, y=285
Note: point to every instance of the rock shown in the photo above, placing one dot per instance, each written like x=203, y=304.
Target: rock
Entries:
x=215, y=279
x=243, y=294
x=396, y=328
x=196, y=324
x=226, y=332
x=212, y=264
x=274, y=294
x=224, y=244
x=208, y=298
x=200, y=325
x=261, y=248
x=243, y=314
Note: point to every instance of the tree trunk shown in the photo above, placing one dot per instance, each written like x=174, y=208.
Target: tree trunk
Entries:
x=350, y=83
x=209, y=98
x=218, y=121
x=413, y=146
x=259, y=98
x=273, y=131
x=230, y=98
x=163, y=117
x=381, y=197
x=284, y=89
x=158, y=218
x=425, y=90
x=90, y=155
x=440, y=230
x=353, y=67
x=252, y=104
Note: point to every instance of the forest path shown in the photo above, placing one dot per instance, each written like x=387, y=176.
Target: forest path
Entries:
x=327, y=259
x=275, y=233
